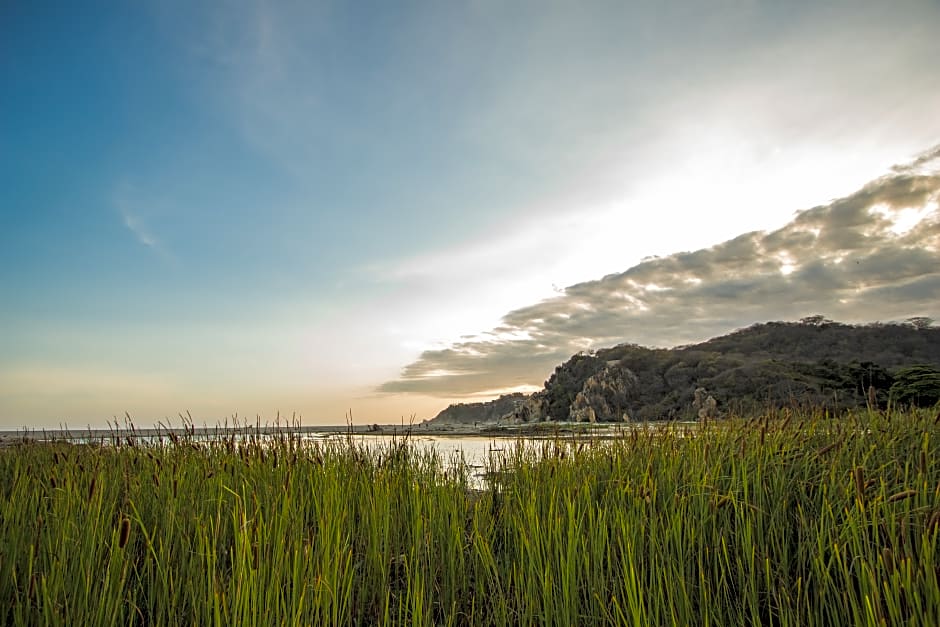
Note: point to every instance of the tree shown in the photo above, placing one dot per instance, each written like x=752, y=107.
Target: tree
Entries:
x=916, y=385
x=920, y=322
x=816, y=320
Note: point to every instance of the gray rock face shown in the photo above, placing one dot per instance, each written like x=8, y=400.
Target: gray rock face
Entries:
x=605, y=396
x=533, y=409
x=705, y=404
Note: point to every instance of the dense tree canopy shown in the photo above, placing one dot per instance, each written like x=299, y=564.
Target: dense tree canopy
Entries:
x=917, y=385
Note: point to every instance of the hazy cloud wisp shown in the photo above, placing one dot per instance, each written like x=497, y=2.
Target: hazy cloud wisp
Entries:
x=134, y=222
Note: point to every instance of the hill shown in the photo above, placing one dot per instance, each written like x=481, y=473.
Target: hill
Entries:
x=814, y=362
x=489, y=411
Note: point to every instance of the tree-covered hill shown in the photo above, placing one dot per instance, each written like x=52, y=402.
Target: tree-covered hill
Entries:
x=815, y=362
x=815, y=338
x=489, y=411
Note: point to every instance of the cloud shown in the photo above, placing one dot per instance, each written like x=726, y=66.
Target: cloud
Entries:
x=134, y=222
x=846, y=259
x=137, y=227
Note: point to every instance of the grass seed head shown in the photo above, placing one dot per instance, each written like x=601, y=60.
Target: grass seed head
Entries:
x=859, y=474
x=934, y=524
x=887, y=555
x=901, y=496
x=125, y=532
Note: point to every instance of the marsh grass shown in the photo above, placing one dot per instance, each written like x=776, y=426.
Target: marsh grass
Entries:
x=773, y=520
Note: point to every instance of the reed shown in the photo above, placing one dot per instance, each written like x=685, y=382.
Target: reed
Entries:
x=779, y=519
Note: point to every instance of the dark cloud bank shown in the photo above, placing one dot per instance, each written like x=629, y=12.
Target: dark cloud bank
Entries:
x=846, y=259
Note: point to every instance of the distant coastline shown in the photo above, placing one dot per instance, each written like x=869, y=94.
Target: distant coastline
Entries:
x=8, y=437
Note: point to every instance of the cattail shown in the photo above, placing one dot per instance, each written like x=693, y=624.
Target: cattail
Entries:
x=91, y=487
x=887, y=556
x=934, y=523
x=156, y=480
x=52, y=482
x=901, y=496
x=829, y=447
x=860, y=484
x=125, y=532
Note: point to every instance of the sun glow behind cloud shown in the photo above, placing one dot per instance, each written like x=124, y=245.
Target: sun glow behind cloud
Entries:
x=904, y=219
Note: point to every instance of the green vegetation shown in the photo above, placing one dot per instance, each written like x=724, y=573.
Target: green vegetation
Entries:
x=489, y=411
x=814, y=363
x=917, y=385
x=781, y=519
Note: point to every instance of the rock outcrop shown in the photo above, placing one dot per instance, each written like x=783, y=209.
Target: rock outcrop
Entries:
x=605, y=396
x=704, y=404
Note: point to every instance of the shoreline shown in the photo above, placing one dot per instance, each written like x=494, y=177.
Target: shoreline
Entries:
x=494, y=430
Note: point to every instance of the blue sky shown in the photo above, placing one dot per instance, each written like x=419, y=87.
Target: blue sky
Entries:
x=257, y=207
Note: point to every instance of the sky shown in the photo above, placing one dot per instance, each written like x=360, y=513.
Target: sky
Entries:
x=322, y=208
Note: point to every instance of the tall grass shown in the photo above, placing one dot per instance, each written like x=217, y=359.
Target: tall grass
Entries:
x=774, y=520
